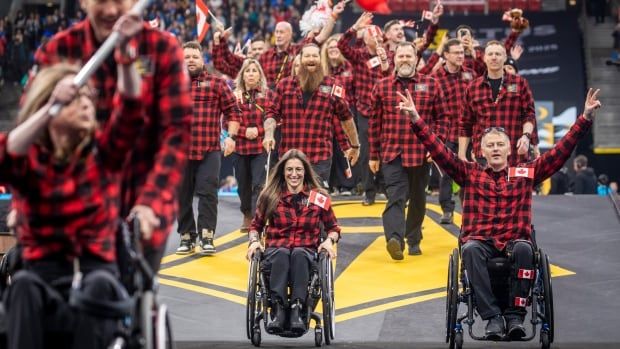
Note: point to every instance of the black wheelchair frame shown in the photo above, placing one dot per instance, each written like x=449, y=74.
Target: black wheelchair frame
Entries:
x=459, y=290
x=321, y=286
x=142, y=321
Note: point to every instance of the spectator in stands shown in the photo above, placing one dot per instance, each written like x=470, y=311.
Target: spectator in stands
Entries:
x=560, y=182
x=602, y=187
x=585, y=179
x=18, y=57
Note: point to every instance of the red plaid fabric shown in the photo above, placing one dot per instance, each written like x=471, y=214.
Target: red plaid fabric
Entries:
x=253, y=105
x=365, y=76
x=276, y=65
x=344, y=72
x=513, y=107
x=212, y=100
x=387, y=137
x=496, y=207
x=477, y=63
x=67, y=210
x=453, y=86
x=295, y=222
x=160, y=151
x=311, y=129
x=428, y=68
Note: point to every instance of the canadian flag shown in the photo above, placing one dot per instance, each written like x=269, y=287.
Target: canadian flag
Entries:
x=321, y=200
x=521, y=172
x=202, y=13
x=338, y=91
x=520, y=302
x=526, y=274
x=428, y=15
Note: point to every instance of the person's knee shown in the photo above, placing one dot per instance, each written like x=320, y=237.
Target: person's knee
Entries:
x=523, y=249
x=471, y=249
x=101, y=284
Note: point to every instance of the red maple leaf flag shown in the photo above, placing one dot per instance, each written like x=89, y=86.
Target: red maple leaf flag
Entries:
x=525, y=172
x=520, y=302
x=321, y=200
x=526, y=274
x=202, y=13
x=338, y=91
x=428, y=15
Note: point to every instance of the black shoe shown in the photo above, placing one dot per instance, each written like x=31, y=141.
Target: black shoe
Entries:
x=206, y=242
x=368, y=202
x=495, y=328
x=277, y=324
x=395, y=249
x=186, y=246
x=515, y=328
x=447, y=218
x=414, y=250
x=297, y=324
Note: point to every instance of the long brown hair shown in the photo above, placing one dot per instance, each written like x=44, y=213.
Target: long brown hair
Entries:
x=327, y=69
x=270, y=196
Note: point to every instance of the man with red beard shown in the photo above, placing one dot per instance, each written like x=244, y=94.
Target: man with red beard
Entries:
x=401, y=155
x=212, y=99
x=155, y=167
x=453, y=79
x=305, y=106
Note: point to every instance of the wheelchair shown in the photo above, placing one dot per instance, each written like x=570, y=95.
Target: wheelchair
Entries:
x=141, y=321
x=459, y=290
x=320, y=287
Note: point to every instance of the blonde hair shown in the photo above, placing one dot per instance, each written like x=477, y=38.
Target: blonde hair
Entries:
x=240, y=84
x=325, y=57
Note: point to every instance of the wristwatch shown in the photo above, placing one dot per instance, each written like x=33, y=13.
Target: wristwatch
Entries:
x=528, y=135
x=334, y=241
x=252, y=241
x=355, y=146
x=233, y=137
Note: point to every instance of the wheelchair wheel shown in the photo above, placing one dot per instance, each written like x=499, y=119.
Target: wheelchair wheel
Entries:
x=147, y=303
x=327, y=297
x=548, y=299
x=251, y=304
x=163, y=330
x=452, y=299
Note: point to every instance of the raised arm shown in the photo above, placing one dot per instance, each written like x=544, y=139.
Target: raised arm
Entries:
x=224, y=60
x=466, y=125
x=350, y=52
x=553, y=160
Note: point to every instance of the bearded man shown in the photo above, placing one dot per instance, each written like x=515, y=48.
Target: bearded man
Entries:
x=403, y=160
x=306, y=107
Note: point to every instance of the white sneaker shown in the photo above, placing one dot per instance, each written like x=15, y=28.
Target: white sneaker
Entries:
x=206, y=242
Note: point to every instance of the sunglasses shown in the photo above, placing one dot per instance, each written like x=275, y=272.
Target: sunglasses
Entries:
x=498, y=129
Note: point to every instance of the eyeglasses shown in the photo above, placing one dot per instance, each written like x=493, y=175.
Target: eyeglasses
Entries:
x=495, y=128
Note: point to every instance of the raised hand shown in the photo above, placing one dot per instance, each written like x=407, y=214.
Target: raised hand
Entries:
x=128, y=26
x=339, y=7
x=364, y=21
x=437, y=12
x=64, y=92
x=592, y=104
x=516, y=51
x=406, y=104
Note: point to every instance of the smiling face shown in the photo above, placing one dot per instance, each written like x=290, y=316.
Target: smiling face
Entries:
x=103, y=14
x=496, y=149
x=294, y=175
x=257, y=48
x=395, y=33
x=455, y=55
x=405, y=61
x=311, y=58
x=194, y=61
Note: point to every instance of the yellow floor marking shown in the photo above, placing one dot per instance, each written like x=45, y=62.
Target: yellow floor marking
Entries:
x=360, y=230
x=218, y=241
x=204, y=290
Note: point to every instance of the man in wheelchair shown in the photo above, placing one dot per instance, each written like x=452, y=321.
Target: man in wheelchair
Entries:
x=291, y=209
x=65, y=179
x=497, y=210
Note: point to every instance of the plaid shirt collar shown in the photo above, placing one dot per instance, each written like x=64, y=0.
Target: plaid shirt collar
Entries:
x=496, y=174
x=398, y=79
x=200, y=77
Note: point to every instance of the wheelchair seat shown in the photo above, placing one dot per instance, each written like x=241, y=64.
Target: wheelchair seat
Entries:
x=498, y=264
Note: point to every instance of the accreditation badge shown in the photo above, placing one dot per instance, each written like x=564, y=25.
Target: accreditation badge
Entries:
x=512, y=88
x=145, y=66
x=421, y=87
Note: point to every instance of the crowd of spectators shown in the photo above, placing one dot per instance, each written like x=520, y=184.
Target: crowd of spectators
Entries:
x=21, y=34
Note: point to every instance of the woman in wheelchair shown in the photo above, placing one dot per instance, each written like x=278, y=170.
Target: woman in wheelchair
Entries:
x=292, y=208
x=65, y=179
x=497, y=210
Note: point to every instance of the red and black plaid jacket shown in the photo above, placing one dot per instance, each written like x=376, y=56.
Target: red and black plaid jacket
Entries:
x=70, y=209
x=477, y=63
x=494, y=206
x=453, y=86
x=388, y=135
x=344, y=73
x=253, y=105
x=365, y=77
x=212, y=100
x=276, y=65
x=159, y=153
x=311, y=129
x=295, y=222
x=513, y=107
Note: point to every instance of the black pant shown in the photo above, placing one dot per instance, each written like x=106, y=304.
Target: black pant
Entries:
x=322, y=169
x=38, y=313
x=475, y=255
x=250, y=174
x=404, y=184
x=289, y=266
x=338, y=178
x=370, y=182
x=445, y=186
x=200, y=177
